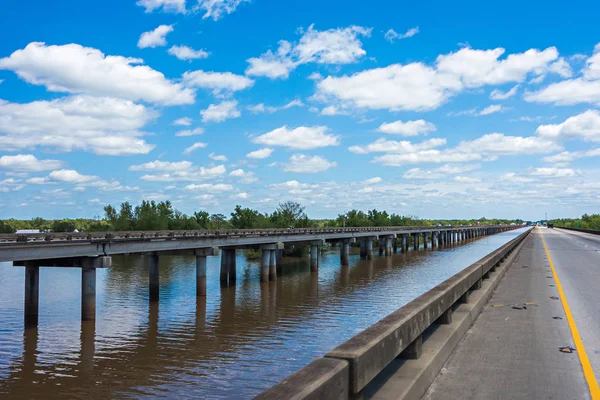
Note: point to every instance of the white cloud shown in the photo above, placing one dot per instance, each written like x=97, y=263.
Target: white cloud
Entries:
x=333, y=110
x=208, y=187
x=261, y=108
x=315, y=76
x=155, y=38
x=408, y=128
x=302, y=163
x=221, y=83
x=302, y=137
x=220, y=112
x=71, y=176
x=466, y=179
x=441, y=172
x=246, y=176
x=177, y=6
x=585, y=126
x=494, y=108
x=260, y=154
x=100, y=125
x=426, y=156
x=197, y=145
x=216, y=157
x=567, y=156
x=189, y=174
x=512, y=177
x=499, y=95
x=569, y=92
x=242, y=195
x=592, y=66
x=183, y=121
x=164, y=166
x=190, y=132
x=333, y=46
x=561, y=67
x=392, y=35
x=393, y=146
x=216, y=9
x=187, y=53
x=28, y=162
x=418, y=87
x=73, y=68
x=372, y=181
x=499, y=144
x=553, y=172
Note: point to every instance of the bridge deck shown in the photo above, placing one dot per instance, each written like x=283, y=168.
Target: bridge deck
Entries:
x=514, y=353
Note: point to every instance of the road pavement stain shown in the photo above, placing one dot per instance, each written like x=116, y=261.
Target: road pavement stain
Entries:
x=554, y=297
x=566, y=349
x=556, y=317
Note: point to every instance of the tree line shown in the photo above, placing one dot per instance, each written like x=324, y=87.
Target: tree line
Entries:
x=151, y=215
x=585, y=222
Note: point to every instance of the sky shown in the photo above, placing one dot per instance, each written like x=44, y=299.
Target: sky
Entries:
x=433, y=109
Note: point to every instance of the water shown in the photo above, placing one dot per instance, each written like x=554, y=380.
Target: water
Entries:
x=233, y=344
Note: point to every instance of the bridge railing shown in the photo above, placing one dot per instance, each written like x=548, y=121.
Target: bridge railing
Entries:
x=591, y=231
x=219, y=233
x=346, y=370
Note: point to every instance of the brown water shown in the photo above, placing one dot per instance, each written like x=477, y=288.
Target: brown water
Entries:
x=233, y=344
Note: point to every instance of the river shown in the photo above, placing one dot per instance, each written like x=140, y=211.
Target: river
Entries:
x=235, y=343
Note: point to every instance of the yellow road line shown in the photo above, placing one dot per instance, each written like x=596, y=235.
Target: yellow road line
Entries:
x=588, y=373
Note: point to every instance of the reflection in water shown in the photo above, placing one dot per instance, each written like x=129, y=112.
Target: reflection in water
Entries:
x=234, y=343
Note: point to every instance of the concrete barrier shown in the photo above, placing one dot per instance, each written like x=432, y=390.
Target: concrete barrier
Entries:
x=591, y=231
x=398, y=335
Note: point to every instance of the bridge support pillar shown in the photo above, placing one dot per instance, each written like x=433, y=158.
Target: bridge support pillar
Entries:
x=153, y=276
x=425, y=238
x=279, y=253
x=314, y=257
x=228, y=267
x=273, y=266
x=369, y=244
x=381, y=243
x=434, y=240
x=446, y=317
x=416, y=242
x=32, y=293
x=388, y=246
x=264, y=266
x=414, y=349
x=405, y=243
x=88, y=292
x=345, y=252
x=201, y=255
x=395, y=245
x=363, y=249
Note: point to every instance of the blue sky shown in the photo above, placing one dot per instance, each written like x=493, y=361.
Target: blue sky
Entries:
x=427, y=109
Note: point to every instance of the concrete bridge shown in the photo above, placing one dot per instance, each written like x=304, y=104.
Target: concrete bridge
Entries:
x=90, y=251
x=521, y=323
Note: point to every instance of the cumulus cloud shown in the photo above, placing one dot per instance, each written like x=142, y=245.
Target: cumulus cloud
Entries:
x=245, y=176
x=221, y=83
x=302, y=137
x=260, y=154
x=155, y=38
x=208, y=187
x=261, y=108
x=190, y=132
x=303, y=163
x=164, y=166
x=408, y=128
x=333, y=46
x=391, y=35
x=372, y=181
x=187, y=53
x=183, y=121
x=584, y=126
x=553, y=172
x=441, y=172
x=28, y=162
x=217, y=157
x=499, y=95
x=567, y=156
x=393, y=146
x=216, y=9
x=315, y=76
x=500, y=144
x=101, y=125
x=176, y=6
x=169, y=173
x=419, y=87
x=73, y=68
x=197, y=145
x=494, y=108
x=220, y=112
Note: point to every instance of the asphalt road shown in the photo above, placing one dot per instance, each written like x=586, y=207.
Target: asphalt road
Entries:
x=576, y=258
x=513, y=353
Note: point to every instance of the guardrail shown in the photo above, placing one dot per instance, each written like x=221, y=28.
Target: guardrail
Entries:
x=194, y=234
x=345, y=371
x=590, y=231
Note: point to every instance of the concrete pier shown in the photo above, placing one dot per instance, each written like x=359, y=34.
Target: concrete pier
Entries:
x=363, y=249
x=388, y=246
x=228, y=267
x=273, y=266
x=264, y=265
x=88, y=292
x=232, y=267
x=32, y=293
x=416, y=242
x=425, y=239
x=314, y=257
x=345, y=252
x=434, y=240
x=369, y=244
x=404, y=243
x=200, y=276
x=381, y=244
x=153, y=276
x=395, y=245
